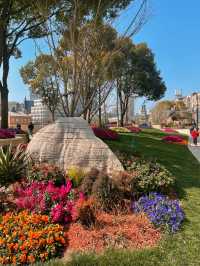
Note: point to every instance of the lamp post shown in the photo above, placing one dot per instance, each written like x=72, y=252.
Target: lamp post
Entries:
x=197, y=108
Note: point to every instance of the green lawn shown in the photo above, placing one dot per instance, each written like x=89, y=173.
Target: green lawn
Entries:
x=183, y=248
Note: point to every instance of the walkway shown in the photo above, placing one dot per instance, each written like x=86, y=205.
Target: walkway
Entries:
x=195, y=150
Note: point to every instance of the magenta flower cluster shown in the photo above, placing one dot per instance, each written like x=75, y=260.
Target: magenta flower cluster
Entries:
x=105, y=133
x=46, y=198
x=6, y=133
x=172, y=138
x=169, y=130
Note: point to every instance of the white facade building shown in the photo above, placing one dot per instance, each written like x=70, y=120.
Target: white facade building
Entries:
x=41, y=116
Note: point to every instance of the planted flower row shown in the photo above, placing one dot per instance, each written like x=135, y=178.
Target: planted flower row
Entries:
x=48, y=199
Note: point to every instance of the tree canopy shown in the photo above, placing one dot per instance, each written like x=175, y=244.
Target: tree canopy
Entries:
x=22, y=19
x=136, y=73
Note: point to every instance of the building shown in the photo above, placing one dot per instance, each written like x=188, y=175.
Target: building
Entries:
x=192, y=103
x=28, y=104
x=21, y=118
x=40, y=114
x=131, y=109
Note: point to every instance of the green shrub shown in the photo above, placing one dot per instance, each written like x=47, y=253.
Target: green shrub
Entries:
x=46, y=172
x=150, y=176
x=13, y=164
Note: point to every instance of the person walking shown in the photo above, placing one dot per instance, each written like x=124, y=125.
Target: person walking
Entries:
x=195, y=134
x=30, y=130
x=18, y=128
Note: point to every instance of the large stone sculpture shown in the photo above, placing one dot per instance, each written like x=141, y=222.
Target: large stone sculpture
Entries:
x=70, y=142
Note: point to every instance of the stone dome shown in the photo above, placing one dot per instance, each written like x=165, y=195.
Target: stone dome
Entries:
x=70, y=142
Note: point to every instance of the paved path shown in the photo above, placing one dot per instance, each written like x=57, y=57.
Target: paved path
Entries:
x=195, y=150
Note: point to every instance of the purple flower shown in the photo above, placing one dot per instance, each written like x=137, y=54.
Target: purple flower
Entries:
x=161, y=210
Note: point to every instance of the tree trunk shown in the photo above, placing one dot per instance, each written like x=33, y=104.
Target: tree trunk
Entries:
x=117, y=108
x=53, y=116
x=4, y=107
x=100, y=118
x=122, y=114
x=4, y=91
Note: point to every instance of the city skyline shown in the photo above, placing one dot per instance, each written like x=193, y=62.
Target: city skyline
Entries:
x=176, y=57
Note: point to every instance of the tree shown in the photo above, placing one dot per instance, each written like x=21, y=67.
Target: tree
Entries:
x=165, y=110
x=19, y=20
x=136, y=74
x=75, y=75
x=161, y=111
x=39, y=75
x=82, y=55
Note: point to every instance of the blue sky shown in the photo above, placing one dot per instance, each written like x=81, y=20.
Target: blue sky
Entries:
x=172, y=32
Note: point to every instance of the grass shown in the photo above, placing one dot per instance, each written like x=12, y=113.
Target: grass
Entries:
x=181, y=249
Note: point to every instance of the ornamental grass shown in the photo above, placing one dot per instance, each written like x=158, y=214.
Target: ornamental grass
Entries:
x=26, y=238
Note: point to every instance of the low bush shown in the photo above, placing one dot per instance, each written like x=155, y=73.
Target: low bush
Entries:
x=88, y=181
x=7, y=133
x=27, y=238
x=13, y=164
x=134, y=129
x=149, y=176
x=173, y=138
x=86, y=212
x=46, y=198
x=76, y=175
x=104, y=133
x=121, y=129
x=45, y=172
x=104, y=189
x=106, y=192
x=162, y=211
x=169, y=130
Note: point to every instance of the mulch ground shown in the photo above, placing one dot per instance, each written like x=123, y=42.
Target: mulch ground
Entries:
x=118, y=231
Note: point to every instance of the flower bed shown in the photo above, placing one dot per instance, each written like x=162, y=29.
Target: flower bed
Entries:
x=94, y=208
x=7, y=133
x=46, y=198
x=173, y=138
x=118, y=231
x=161, y=211
x=45, y=172
x=121, y=129
x=134, y=129
x=26, y=238
x=106, y=134
x=169, y=130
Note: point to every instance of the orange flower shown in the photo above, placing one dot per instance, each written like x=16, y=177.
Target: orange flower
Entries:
x=31, y=258
x=16, y=246
x=22, y=258
x=14, y=260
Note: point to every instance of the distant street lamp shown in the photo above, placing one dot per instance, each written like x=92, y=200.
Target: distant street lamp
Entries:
x=197, y=107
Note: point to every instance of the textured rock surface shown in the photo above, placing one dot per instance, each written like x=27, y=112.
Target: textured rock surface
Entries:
x=70, y=142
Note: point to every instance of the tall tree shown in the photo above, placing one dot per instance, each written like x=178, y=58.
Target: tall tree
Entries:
x=78, y=75
x=40, y=76
x=136, y=74
x=19, y=20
